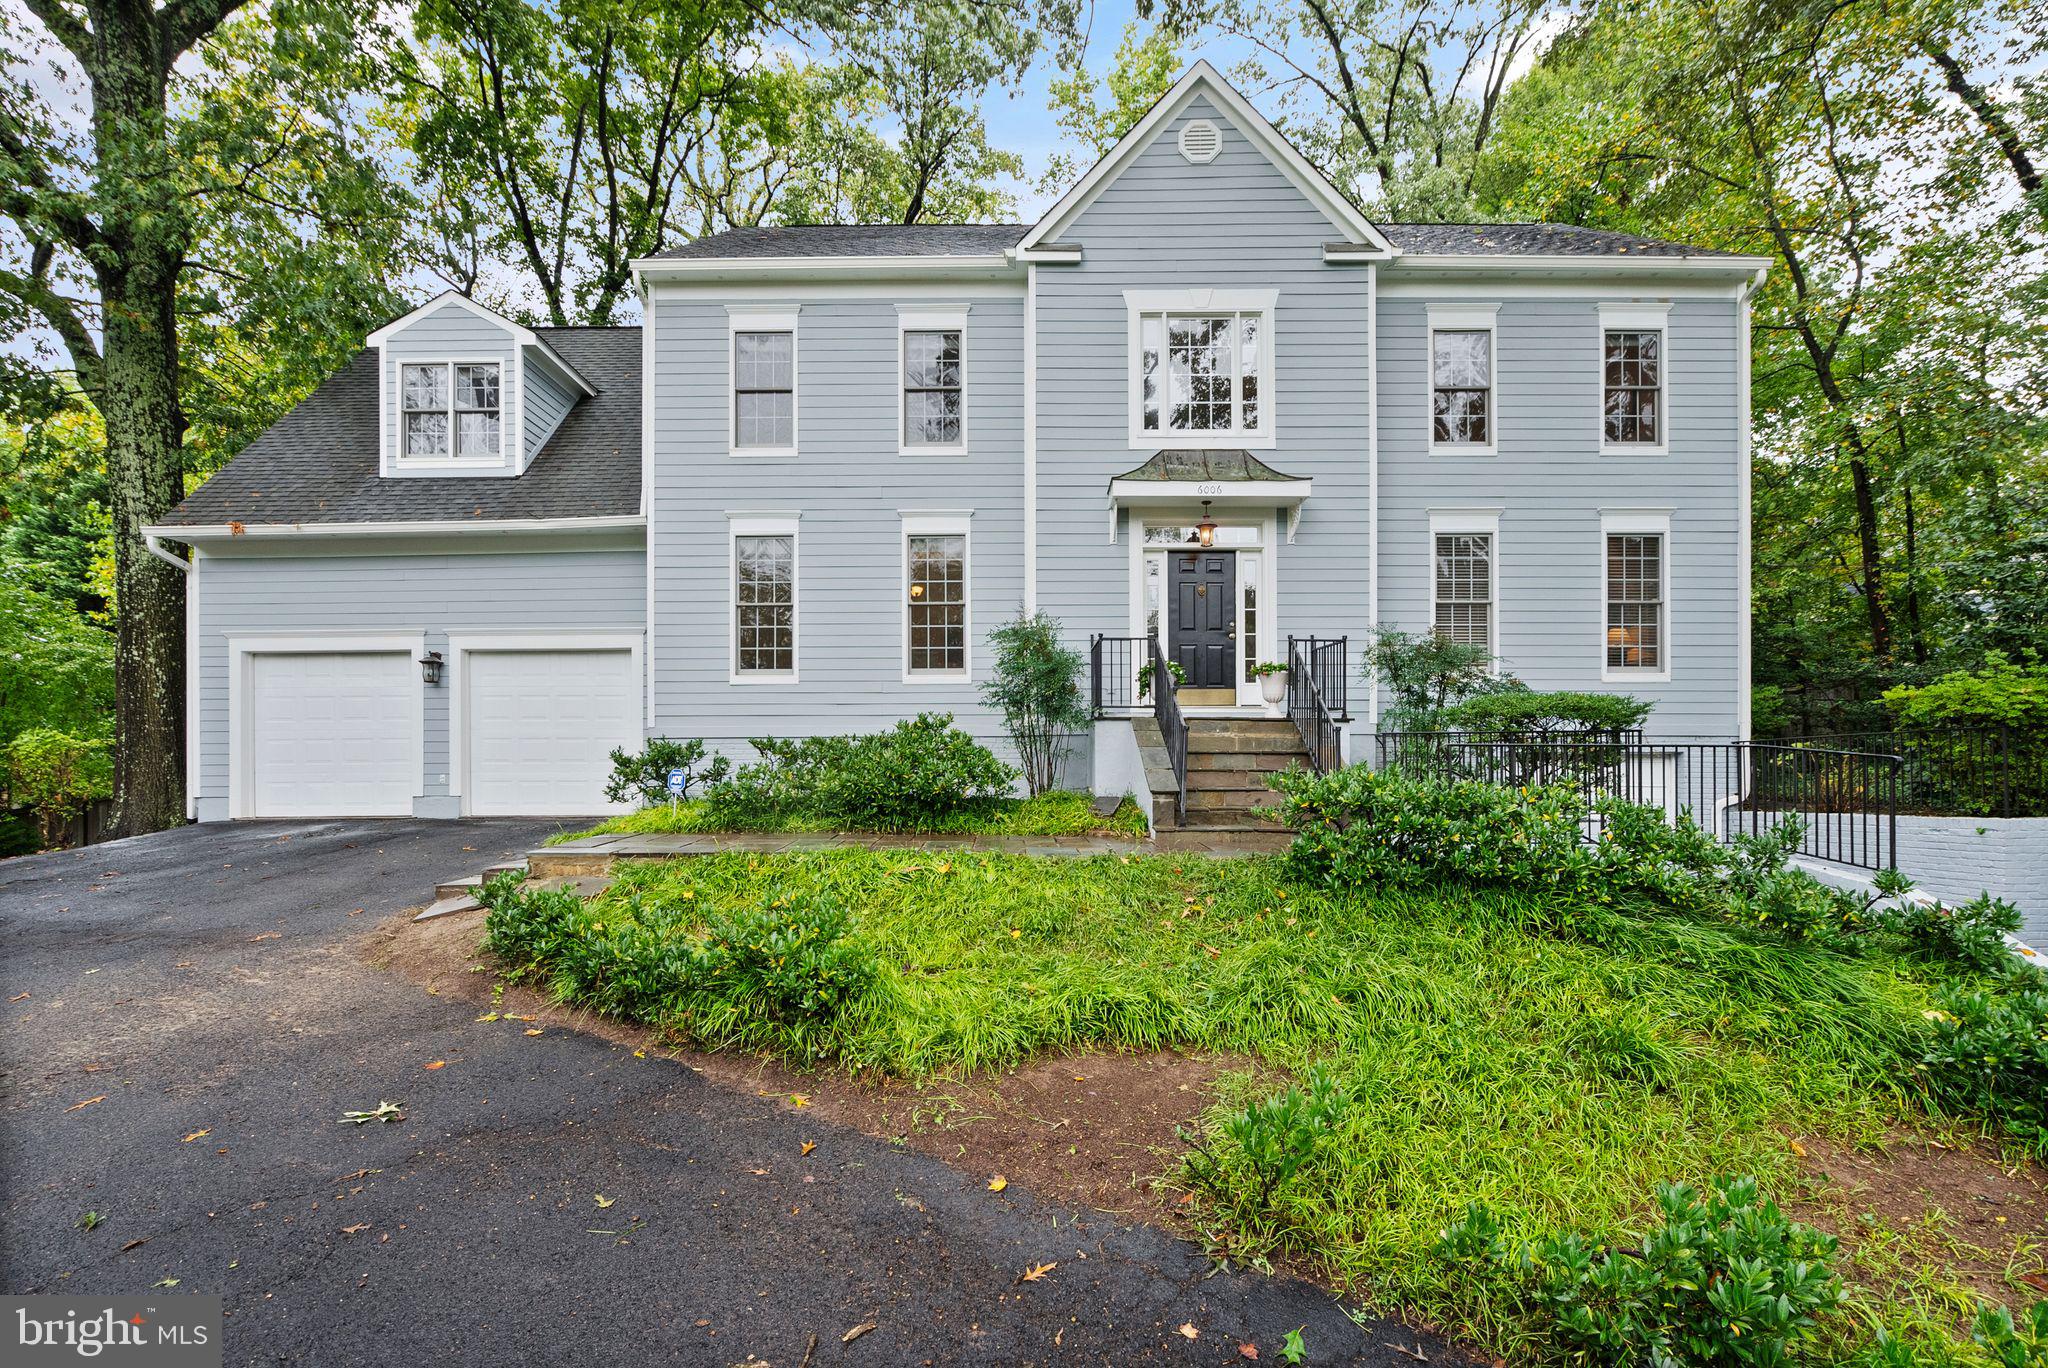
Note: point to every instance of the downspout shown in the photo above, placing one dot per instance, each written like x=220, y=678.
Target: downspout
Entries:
x=153, y=543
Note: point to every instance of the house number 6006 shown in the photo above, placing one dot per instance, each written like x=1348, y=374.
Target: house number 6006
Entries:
x=1209, y=489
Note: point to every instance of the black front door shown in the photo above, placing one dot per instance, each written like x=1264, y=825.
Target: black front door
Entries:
x=1202, y=633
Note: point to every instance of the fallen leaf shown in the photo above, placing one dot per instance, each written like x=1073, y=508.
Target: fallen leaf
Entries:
x=19, y=997
x=1248, y=1351
x=437, y=1064
x=194, y=1136
x=809, y=1145
x=1188, y=1331
x=857, y=1331
x=536, y=1031
x=759, y=1173
x=603, y=1200
x=639, y=1054
x=799, y=1100
x=1797, y=1148
x=384, y=1111
x=80, y=1106
x=488, y=1016
x=136, y=1243
x=1037, y=1271
x=355, y=1229
x=998, y=1183
x=167, y=1282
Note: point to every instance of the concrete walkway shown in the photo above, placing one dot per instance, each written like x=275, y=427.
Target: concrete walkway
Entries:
x=596, y=854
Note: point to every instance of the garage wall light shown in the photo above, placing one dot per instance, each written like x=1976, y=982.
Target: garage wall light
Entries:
x=430, y=667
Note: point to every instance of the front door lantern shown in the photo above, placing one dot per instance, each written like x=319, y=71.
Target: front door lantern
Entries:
x=430, y=667
x=1205, y=530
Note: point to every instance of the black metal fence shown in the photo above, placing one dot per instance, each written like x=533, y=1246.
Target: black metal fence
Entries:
x=1310, y=677
x=1846, y=801
x=1958, y=771
x=1324, y=660
x=1172, y=727
x=1113, y=673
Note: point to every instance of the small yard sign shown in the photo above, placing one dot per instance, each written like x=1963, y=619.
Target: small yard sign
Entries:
x=678, y=782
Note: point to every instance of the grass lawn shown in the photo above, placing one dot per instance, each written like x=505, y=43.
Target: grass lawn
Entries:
x=1050, y=814
x=1556, y=1079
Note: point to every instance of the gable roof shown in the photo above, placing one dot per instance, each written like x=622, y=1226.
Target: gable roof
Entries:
x=853, y=240
x=523, y=335
x=319, y=463
x=1203, y=79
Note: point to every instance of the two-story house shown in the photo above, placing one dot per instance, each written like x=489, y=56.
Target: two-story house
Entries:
x=1202, y=402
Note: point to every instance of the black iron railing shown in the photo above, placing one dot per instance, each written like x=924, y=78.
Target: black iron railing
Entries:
x=1957, y=771
x=1309, y=705
x=1327, y=665
x=1113, y=673
x=1846, y=801
x=1173, y=727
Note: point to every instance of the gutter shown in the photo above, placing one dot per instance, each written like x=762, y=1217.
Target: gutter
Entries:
x=439, y=528
x=1593, y=263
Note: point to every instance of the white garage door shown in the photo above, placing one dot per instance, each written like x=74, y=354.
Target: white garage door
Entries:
x=542, y=725
x=332, y=735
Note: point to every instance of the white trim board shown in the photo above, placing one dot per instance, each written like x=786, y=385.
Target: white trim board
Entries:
x=1204, y=79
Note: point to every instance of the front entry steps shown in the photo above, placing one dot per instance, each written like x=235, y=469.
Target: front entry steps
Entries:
x=459, y=895
x=1229, y=761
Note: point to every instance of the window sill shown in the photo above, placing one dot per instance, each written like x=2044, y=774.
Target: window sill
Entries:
x=764, y=677
x=1608, y=676
x=1607, y=450
x=937, y=677
x=763, y=453
x=1454, y=451
x=1203, y=441
x=953, y=451
x=447, y=462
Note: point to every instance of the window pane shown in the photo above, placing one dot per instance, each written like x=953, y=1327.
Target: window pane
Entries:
x=1461, y=416
x=765, y=361
x=476, y=434
x=1632, y=369
x=931, y=388
x=1635, y=601
x=1150, y=331
x=1464, y=360
x=764, y=594
x=1200, y=373
x=426, y=434
x=938, y=603
x=931, y=418
x=1464, y=587
x=426, y=387
x=767, y=418
x=476, y=387
x=1248, y=370
x=931, y=360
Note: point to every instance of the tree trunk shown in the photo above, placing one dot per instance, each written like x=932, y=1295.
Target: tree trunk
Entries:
x=1914, y=628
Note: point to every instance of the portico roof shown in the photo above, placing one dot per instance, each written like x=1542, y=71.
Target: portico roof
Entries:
x=1227, y=478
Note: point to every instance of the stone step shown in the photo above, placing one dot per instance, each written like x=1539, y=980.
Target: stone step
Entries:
x=1220, y=743
x=1217, y=777
x=1229, y=819
x=1224, y=841
x=1242, y=761
x=1213, y=797
x=469, y=883
x=1243, y=726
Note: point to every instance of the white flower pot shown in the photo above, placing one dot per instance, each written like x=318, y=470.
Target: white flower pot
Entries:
x=1273, y=688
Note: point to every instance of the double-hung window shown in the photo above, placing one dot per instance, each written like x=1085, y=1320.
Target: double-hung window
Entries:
x=1637, y=576
x=1463, y=575
x=932, y=365
x=764, y=599
x=1462, y=416
x=451, y=410
x=1202, y=373
x=936, y=610
x=1634, y=416
x=764, y=383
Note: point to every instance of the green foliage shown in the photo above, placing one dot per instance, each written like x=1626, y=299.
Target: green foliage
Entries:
x=1560, y=714
x=56, y=667
x=58, y=775
x=1426, y=674
x=1269, y=667
x=1255, y=1151
x=1035, y=683
x=644, y=776
x=1174, y=670
x=797, y=964
x=1986, y=1054
x=1725, y=1279
x=2012, y=1344
x=1140, y=71
x=2001, y=694
x=919, y=774
x=1972, y=935
x=1049, y=814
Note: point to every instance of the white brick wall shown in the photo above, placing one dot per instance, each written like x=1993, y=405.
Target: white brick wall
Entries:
x=1956, y=858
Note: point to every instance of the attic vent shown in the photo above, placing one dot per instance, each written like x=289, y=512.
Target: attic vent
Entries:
x=1200, y=141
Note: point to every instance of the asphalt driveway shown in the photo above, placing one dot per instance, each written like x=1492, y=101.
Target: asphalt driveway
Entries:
x=188, y=1015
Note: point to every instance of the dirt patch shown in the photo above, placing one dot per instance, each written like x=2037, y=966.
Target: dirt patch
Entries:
x=1085, y=1130
x=1921, y=1209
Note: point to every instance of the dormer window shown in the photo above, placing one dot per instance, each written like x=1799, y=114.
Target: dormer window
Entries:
x=452, y=411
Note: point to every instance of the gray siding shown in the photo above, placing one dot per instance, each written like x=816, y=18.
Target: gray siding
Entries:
x=849, y=485
x=453, y=333
x=1235, y=223
x=1550, y=483
x=548, y=402
x=539, y=591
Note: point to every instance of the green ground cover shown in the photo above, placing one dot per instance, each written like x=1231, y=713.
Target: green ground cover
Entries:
x=1050, y=814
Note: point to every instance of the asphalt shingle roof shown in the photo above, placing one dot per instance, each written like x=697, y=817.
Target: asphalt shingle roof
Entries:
x=1528, y=239
x=319, y=462
x=855, y=239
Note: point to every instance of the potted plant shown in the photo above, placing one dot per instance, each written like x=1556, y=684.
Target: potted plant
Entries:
x=1272, y=677
x=1180, y=678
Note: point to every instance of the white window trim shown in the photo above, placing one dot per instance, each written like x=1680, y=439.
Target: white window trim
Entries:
x=1138, y=303
x=937, y=524
x=241, y=756
x=930, y=318
x=762, y=525
x=508, y=378
x=1634, y=318
x=1470, y=521
x=762, y=320
x=462, y=644
x=1637, y=520
x=1463, y=318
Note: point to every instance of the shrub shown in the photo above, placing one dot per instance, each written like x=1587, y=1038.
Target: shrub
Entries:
x=1972, y=935
x=1987, y=1053
x=645, y=776
x=1264, y=1145
x=527, y=928
x=1726, y=1278
x=1035, y=683
x=58, y=775
x=2001, y=694
x=907, y=778
x=1560, y=715
x=1425, y=674
x=797, y=963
